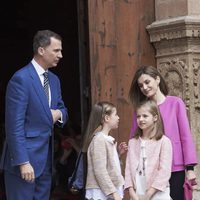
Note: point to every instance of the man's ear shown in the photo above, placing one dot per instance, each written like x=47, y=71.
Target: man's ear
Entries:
x=41, y=51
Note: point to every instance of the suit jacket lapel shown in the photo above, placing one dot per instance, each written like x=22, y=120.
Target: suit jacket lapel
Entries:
x=39, y=90
x=52, y=87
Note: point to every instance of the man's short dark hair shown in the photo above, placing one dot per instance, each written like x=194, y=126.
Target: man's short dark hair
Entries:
x=43, y=39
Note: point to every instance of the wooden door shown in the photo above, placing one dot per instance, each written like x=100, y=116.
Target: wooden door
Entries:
x=118, y=44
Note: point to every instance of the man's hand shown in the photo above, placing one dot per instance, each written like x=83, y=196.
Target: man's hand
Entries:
x=56, y=114
x=27, y=172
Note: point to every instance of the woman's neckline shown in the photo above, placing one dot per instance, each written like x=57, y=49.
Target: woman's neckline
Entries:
x=162, y=101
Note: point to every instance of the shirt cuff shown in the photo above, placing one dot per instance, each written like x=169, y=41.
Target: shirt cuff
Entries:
x=61, y=117
x=24, y=163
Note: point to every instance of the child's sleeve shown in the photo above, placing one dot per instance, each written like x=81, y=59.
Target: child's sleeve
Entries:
x=164, y=173
x=99, y=161
x=128, y=174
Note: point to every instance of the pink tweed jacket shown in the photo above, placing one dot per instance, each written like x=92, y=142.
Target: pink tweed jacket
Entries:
x=159, y=163
x=177, y=129
x=102, y=170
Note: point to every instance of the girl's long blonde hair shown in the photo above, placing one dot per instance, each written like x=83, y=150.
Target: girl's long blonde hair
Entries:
x=158, y=126
x=96, y=120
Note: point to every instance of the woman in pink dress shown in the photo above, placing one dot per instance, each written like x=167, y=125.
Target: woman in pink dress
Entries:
x=149, y=84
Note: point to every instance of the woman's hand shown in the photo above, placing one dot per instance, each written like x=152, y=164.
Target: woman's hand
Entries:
x=190, y=175
x=122, y=148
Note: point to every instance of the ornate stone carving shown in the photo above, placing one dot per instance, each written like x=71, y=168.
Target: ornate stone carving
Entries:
x=175, y=28
x=196, y=83
x=175, y=73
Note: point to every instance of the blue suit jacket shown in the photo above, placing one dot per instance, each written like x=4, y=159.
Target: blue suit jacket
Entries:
x=28, y=120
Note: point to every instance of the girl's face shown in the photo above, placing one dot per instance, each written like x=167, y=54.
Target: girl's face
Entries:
x=145, y=119
x=113, y=119
x=148, y=85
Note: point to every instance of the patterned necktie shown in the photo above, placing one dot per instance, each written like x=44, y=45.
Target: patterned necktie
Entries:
x=46, y=84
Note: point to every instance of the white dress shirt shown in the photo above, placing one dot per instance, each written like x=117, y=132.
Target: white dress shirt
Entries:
x=40, y=71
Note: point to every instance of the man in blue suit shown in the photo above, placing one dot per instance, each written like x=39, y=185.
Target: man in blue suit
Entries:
x=33, y=106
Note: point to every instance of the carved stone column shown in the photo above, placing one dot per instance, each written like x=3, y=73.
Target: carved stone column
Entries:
x=176, y=37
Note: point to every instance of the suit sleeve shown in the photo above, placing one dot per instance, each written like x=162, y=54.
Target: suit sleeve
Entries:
x=16, y=105
x=61, y=106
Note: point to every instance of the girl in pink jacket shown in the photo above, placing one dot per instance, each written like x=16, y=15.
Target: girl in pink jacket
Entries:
x=149, y=158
